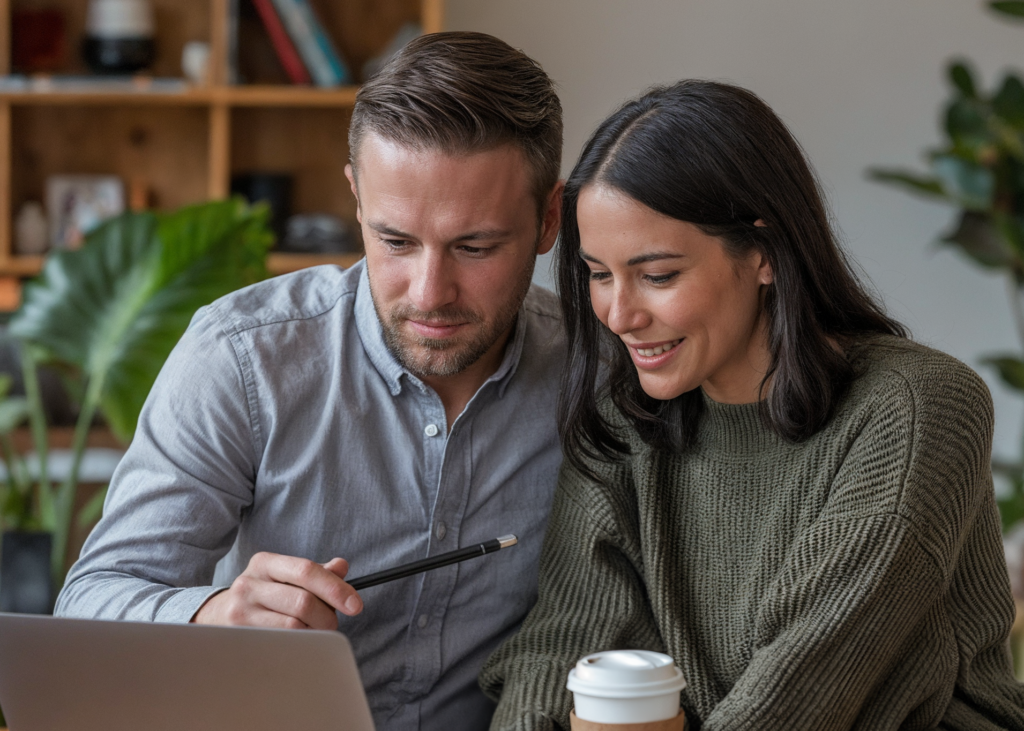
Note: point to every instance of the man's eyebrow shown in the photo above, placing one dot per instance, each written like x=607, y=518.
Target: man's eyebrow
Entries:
x=383, y=228
x=642, y=259
x=484, y=234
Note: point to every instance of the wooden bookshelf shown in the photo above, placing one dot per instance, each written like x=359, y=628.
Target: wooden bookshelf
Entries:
x=186, y=144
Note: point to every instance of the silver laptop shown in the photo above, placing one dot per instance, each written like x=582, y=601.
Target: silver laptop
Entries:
x=91, y=675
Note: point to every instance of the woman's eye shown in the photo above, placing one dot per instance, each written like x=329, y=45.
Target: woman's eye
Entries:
x=661, y=278
x=599, y=276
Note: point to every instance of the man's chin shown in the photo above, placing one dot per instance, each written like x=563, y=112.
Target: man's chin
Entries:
x=433, y=358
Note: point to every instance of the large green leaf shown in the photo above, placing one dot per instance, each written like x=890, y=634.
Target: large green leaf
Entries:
x=1011, y=369
x=971, y=184
x=1008, y=102
x=967, y=124
x=928, y=187
x=115, y=308
x=1009, y=7
x=979, y=238
x=962, y=78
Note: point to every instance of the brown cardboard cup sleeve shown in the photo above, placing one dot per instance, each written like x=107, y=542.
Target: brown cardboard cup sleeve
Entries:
x=672, y=724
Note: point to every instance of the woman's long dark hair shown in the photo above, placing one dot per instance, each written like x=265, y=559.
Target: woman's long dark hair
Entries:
x=716, y=156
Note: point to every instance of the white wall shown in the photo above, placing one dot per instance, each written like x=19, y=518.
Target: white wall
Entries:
x=860, y=82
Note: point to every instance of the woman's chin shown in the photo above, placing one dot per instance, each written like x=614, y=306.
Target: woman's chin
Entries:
x=664, y=388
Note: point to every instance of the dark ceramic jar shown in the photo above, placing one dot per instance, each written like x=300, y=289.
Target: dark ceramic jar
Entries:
x=119, y=36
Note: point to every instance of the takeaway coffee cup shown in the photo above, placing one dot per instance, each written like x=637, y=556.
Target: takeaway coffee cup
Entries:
x=634, y=689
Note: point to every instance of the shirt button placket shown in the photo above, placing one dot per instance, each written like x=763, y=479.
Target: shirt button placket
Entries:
x=431, y=430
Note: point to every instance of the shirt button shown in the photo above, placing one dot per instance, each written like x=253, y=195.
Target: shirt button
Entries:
x=422, y=621
x=442, y=530
x=431, y=430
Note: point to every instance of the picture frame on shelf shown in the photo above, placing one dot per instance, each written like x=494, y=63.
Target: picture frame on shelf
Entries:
x=76, y=204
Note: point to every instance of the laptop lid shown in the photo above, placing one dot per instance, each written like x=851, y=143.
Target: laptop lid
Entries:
x=94, y=675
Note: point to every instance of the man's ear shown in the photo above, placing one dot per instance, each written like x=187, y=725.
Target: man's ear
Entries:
x=351, y=175
x=552, y=219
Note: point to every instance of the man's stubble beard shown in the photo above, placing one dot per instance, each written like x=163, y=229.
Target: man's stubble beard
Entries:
x=445, y=357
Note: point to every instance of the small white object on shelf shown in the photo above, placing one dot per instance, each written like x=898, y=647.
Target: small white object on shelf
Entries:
x=195, y=62
x=30, y=229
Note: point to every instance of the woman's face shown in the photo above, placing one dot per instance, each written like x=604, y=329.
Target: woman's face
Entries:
x=689, y=313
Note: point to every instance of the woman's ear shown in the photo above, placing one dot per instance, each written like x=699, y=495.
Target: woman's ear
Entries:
x=764, y=268
x=765, y=275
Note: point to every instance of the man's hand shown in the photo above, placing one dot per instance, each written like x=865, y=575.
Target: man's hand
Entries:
x=284, y=591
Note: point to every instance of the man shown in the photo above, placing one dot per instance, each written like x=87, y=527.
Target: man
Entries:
x=331, y=419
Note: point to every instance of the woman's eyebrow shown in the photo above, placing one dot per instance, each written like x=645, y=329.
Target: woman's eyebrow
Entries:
x=642, y=259
x=653, y=256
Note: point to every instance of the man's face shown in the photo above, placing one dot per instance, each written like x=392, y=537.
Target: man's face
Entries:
x=450, y=248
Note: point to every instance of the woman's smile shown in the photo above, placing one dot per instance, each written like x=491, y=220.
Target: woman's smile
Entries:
x=653, y=355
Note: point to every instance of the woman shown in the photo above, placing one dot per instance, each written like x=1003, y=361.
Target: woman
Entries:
x=767, y=480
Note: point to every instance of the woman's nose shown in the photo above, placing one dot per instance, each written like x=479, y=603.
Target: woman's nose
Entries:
x=624, y=313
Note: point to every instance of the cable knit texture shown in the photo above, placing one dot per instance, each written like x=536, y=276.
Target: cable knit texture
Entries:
x=852, y=581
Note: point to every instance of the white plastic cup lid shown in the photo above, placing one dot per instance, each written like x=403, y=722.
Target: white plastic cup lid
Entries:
x=626, y=674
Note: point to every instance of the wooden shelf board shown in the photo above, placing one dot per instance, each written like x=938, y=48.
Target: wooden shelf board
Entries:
x=286, y=96
x=192, y=97
x=277, y=263
x=232, y=96
x=284, y=263
x=21, y=266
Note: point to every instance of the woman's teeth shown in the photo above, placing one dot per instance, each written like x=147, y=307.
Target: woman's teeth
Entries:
x=649, y=352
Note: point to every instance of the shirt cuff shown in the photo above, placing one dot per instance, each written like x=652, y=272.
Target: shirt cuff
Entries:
x=182, y=605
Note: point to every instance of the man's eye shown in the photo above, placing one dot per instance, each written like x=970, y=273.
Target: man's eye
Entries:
x=474, y=250
x=395, y=243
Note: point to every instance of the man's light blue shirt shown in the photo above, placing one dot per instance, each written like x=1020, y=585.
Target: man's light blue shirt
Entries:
x=281, y=422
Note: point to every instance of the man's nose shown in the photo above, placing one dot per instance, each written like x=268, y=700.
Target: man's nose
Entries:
x=626, y=314
x=433, y=285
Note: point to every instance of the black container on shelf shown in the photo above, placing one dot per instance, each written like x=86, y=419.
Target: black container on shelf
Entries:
x=273, y=188
x=25, y=584
x=118, y=55
x=119, y=36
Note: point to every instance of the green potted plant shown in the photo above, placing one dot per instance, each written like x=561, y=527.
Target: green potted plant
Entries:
x=979, y=169
x=107, y=315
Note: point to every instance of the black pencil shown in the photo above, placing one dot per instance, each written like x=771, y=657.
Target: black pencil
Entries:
x=434, y=562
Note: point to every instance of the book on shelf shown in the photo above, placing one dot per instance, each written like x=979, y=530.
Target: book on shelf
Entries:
x=312, y=42
x=282, y=42
x=324, y=41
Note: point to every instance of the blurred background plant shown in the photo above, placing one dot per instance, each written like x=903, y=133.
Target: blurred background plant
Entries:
x=106, y=317
x=979, y=168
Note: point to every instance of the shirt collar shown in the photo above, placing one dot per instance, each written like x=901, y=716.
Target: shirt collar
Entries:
x=372, y=335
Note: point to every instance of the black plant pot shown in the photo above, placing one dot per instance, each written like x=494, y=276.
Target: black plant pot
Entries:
x=25, y=584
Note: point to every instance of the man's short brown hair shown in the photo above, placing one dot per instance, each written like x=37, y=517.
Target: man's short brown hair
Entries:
x=461, y=93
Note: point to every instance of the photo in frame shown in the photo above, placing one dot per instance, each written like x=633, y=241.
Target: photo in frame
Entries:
x=76, y=204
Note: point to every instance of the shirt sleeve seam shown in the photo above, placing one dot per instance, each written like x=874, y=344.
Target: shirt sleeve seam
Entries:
x=251, y=397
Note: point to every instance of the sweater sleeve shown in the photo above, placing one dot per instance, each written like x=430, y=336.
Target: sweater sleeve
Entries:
x=591, y=598
x=858, y=621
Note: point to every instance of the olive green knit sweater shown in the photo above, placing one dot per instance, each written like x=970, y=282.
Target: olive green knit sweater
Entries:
x=852, y=581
